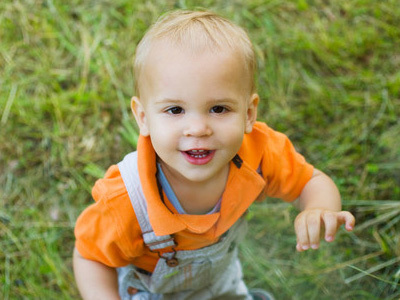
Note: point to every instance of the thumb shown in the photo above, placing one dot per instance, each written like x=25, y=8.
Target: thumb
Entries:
x=345, y=217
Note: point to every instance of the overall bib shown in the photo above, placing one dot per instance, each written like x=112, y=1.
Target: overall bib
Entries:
x=212, y=272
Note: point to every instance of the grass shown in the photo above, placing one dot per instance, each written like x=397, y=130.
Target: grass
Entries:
x=328, y=77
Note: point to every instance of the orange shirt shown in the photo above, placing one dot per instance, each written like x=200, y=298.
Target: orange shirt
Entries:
x=108, y=231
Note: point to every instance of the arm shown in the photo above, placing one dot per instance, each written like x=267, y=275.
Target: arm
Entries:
x=95, y=280
x=321, y=206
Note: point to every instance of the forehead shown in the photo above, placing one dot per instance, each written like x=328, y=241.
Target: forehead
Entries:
x=164, y=48
x=167, y=61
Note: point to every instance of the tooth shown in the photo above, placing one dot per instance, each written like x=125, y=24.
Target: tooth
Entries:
x=198, y=151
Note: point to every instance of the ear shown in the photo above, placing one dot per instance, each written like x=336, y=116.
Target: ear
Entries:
x=251, y=112
x=140, y=115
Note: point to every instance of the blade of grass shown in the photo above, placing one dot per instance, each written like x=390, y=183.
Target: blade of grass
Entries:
x=7, y=281
x=380, y=219
x=372, y=270
x=9, y=103
x=351, y=262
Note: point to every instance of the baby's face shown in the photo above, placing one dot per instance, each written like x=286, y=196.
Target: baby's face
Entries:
x=196, y=109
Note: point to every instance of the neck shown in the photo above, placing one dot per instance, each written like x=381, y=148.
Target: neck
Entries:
x=197, y=197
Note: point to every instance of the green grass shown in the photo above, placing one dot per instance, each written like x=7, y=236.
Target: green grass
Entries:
x=328, y=77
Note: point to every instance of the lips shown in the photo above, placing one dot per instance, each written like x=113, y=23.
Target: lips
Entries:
x=198, y=156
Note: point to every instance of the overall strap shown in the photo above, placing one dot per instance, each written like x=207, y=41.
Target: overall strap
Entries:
x=128, y=168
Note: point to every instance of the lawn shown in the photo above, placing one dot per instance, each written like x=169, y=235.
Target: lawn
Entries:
x=328, y=76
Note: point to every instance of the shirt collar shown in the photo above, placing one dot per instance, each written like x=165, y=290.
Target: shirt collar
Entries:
x=244, y=185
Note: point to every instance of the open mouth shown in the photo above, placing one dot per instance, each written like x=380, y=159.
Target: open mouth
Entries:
x=198, y=153
x=198, y=156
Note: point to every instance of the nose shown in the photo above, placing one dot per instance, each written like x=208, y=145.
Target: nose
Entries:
x=197, y=126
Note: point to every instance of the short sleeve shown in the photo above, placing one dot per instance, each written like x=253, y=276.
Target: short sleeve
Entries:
x=107, y=231
x=285, y=170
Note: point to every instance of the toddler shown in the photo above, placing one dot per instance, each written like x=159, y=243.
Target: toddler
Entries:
x=167, y=219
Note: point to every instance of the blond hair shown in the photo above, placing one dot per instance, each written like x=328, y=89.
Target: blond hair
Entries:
x=197, y=31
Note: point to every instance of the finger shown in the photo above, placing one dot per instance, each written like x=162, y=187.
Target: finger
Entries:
x=313, y=229
x=301, y=233
x=345, y=217
x=330, y=222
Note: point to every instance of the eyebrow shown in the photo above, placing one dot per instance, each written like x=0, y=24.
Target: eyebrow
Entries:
x=179, y=101
x=168, y=100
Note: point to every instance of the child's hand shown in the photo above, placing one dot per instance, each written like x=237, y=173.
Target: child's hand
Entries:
x=309, y=222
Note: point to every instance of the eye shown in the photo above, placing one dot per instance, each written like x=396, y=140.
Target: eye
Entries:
x=218, y=109
x=175, y=110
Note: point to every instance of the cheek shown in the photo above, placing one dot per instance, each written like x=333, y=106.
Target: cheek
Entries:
x=161, y=144
x=232, y=134
x=163, y=134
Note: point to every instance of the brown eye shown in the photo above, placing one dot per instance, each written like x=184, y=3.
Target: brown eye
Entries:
x=175, y=110
x=218, y=109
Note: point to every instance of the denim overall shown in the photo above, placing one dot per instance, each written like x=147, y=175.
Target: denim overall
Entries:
x=212, y=272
